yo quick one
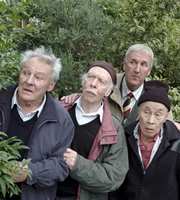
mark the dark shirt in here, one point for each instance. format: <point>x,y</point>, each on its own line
<point>22,130</point>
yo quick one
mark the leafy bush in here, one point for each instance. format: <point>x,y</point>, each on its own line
<point>81,32</point>
<point>12,12</point>
<point>157,23</point>
<point>174,96</point>
<point>9,153</point>
<point>77,31</point>
<point>154,22</point>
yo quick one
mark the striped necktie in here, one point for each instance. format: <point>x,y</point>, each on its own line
<point>127,107</point>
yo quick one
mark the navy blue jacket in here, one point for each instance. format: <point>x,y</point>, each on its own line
<point>162,178</point>
<point>51,135</point>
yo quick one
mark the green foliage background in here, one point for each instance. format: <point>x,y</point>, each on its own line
<point>82,31</point>
<point>9,153</point>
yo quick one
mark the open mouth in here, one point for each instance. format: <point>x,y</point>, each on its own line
<point>27,90</point>
<point>149,130</point>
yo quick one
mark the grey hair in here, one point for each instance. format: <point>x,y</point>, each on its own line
<point>144,48</point>
<point>45,56</point>
<point>110,88</point>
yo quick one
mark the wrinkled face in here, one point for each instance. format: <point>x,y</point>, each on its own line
<point>137,68</point>
<point>152,115</point>
<point>96,84</point>
<point>34,81</point>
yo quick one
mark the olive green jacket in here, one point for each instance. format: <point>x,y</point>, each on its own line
<point>107,163</point>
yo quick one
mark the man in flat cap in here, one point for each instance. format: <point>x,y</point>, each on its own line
<point>98,158</point>
<point>137,66</point>
<point>153,148</point>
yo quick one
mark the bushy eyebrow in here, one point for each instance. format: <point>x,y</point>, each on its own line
<point>158,110</point>
<point>134,59</point>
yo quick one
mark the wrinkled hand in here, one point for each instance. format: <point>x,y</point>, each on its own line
<point>70,157</point>
<point>21,176</point>
<point>70,98</point>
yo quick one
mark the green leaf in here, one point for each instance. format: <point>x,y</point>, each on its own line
<point>3,187</point>
<point>25,162</point>
<point>3,63</point>
<point>2,27</point>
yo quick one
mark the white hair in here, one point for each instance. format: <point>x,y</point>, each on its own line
<point>46,56</point>
<point>142,48</point>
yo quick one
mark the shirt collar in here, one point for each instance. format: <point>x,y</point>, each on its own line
<point>126,90</point>
<point>136,132</point>
<point>98,112</point>
<point>15,102</point>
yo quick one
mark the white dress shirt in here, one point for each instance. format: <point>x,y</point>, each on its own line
<point>83,118</point>
<point>20,110</point>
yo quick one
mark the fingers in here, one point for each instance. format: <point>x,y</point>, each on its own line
<point>20,176</point>
<point>62,98</point>
<point>70,98</point>
<point>68,150</point>
<point>70,157</point>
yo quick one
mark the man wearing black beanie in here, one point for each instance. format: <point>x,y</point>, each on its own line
<point>153,148</point>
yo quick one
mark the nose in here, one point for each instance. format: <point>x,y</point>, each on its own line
<point>151,119</point>
<point>137,68</point>
<point>94,83</point>
<point>30,79</point>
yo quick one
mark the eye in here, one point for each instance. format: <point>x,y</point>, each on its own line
<point>144,64</point>
<point>102,82</point>
<point>132,62</point>
<point>89,76</point>
<point>158,115</point>
<point>39,78</point>
<point>25,73</point>
<point>146,113</point>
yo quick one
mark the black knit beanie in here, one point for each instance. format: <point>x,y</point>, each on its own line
<point>107,66</point>
<point>156,91</point>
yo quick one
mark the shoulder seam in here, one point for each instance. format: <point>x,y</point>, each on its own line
<point>175,146</point>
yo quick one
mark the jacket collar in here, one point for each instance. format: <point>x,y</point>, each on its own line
<point>171,133</point>
<point>116,95</point>
<point>107,129</point>
<point>106,135</point>
<point>50,111</point>
<point>169,128</point>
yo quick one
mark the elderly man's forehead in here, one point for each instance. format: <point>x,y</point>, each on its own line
<point>155,106</point>
<point>98,69</point>
<point>141,54</point>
